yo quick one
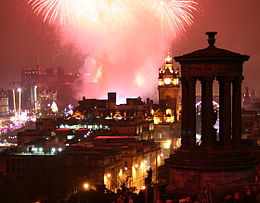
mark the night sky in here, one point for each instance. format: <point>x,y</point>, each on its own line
<point>24,37</point>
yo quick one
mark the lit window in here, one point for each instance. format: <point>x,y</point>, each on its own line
<point>168,112</point>
<point>176,81</point>
<point>160,82</point>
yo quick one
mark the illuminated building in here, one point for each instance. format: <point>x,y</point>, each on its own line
<point>99,160</point>
<point>58,131</point>
<point>136,157</point>
<point>166,113</point>
<point>119,150</point>
<point>4,103</point>
<point>169,93</point>
<point>133,118</point>
<point>34,75</point>
<point>108,109</point>
<point>251,116</point>
<point>37,81</point>
<point>46,99</point>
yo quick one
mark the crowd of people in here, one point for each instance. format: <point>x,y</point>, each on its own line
<point>248,195</point>
<point>245,195</point>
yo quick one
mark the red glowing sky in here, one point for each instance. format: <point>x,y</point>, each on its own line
<point>24,37</point>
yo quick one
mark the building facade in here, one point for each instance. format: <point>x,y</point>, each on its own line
<point>4,104</point>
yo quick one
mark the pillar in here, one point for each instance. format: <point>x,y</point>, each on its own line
<point>225,111</point>
<point>184,114</point>
<point>192,111</point>
<point>207,112</point>
<point>236,110</point>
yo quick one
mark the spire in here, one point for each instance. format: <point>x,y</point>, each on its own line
<point>168,59</point>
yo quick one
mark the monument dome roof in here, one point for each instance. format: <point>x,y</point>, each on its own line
<point>212,53</point>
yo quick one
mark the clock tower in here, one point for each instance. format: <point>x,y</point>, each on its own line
<point>169,88</point>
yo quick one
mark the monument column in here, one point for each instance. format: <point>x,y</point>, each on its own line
<point>184,114</point>
<point>207,119</point>
<point>236,110</point>
<point>225,111</point>
<point>192,111</point>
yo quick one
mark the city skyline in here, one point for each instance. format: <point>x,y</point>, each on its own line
<point>26,39</point>
<point>129,101</point>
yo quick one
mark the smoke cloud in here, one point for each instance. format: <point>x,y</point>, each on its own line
<point>124,59</point>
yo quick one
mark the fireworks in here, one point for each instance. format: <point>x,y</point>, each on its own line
<point>105,12</point>
<point>173,15</point>
<point>124,41</point>
<point>60,11</point>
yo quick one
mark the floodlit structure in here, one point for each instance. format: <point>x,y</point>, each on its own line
<point>169,92</point>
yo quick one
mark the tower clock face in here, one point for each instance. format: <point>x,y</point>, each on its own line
<point>167,81</point>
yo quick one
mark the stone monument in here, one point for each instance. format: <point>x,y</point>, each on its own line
<point>214,162</point>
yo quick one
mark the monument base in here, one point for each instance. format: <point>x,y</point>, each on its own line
<point>193,172</point>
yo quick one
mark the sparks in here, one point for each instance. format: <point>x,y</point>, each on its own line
<point>57,11</point>
<point>174,15</point>
<point>105,12</point>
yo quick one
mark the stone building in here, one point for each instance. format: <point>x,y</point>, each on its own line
<point>99,161</point>
<point>215,162</point>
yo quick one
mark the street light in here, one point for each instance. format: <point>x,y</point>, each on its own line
<point>14,102</point>
<point>19,90</point>
<point>35,98</point>
<point>86,186</point>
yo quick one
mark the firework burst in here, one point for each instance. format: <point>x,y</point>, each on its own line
<point>105,12</point>
<point>173,15</point>
<point>57,11</point>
